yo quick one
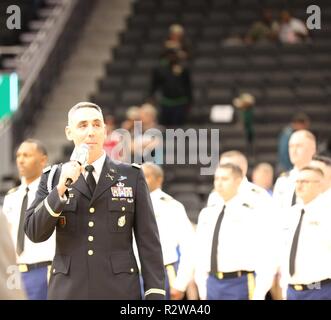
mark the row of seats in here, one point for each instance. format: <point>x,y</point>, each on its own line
<point>284,78</point>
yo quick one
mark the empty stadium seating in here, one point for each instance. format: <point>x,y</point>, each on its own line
<point>283,78</point>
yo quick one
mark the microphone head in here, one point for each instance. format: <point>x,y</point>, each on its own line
<point>80,154</point>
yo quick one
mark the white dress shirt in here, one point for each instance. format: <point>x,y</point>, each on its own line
<point>98,165</point>
<point>247,189</point>
<point>175,229</point>
<point>33,252</point>
<point>245,242</point>
<point>313,256</point>
<point>284,189</point>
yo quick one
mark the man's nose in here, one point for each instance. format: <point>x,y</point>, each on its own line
<point>90,130</point>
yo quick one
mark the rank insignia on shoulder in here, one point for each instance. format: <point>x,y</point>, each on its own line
<point>47,169</point>
<point>256,190</point>
<point>12,190</point>
<point>169,198</point>
<point>247,205</point>
<point>136,165</point>
<point>285,174</point>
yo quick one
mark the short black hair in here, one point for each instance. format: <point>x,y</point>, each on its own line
<point>234,168</point>
<point>40,146</point>
<point>314,169</point>
<point>326,160</point>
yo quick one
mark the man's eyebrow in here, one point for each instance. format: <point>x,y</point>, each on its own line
<point>82,122</point>
<point>86,121</point>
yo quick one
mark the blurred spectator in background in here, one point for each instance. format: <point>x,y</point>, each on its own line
<point>302,147</point>
<point>265,30</point>
<point>245,103</point>
<point>291,30</point>
<point>299,121</point>
<point>173,80</point>
<point>132,115</point>
<point>112,139</point>
<point>263,175</point>
<point>176,40</point>
<point>148,143</point>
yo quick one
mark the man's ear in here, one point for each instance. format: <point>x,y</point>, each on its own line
<point>67,131</point>
<point>160,181</point>
<point>44,160</point>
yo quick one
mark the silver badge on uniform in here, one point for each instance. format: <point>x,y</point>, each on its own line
<point>121,221</point>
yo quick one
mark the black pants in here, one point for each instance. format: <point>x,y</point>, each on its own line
<point>173,116</point>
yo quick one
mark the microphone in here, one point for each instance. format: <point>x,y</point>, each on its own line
<point>80,154</point>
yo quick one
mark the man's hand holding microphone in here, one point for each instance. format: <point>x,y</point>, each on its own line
<point>71,170</point>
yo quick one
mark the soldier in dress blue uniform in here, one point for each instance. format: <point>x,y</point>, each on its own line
<point>234,242</point>
<point>95,219</point>
<point>306,263</point>
<point>246,187</point>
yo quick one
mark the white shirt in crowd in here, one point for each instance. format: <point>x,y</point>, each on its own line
<point>246,242</point>
<point>33,252</point>
<point>176,231</point>
<point>313,256</point>
<point>284,189</point>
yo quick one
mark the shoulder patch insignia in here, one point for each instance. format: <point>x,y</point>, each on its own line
<point>47,169</point>
<point>136,165</point>
<point>12,190</point>
<point>285,174</point>
<point>168,198</point>
<point>256,190</point>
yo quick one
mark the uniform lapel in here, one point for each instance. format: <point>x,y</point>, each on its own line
<point>108,177</point>
<point>82,186</point>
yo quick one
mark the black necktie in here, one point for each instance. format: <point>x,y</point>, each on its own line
<point>20,233</point>
<point>295,245</point>
<point>294,199</point>
<point>90,179</point>
<point>213,257</point>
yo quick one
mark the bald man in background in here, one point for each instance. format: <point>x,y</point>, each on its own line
<point>302,147</point>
